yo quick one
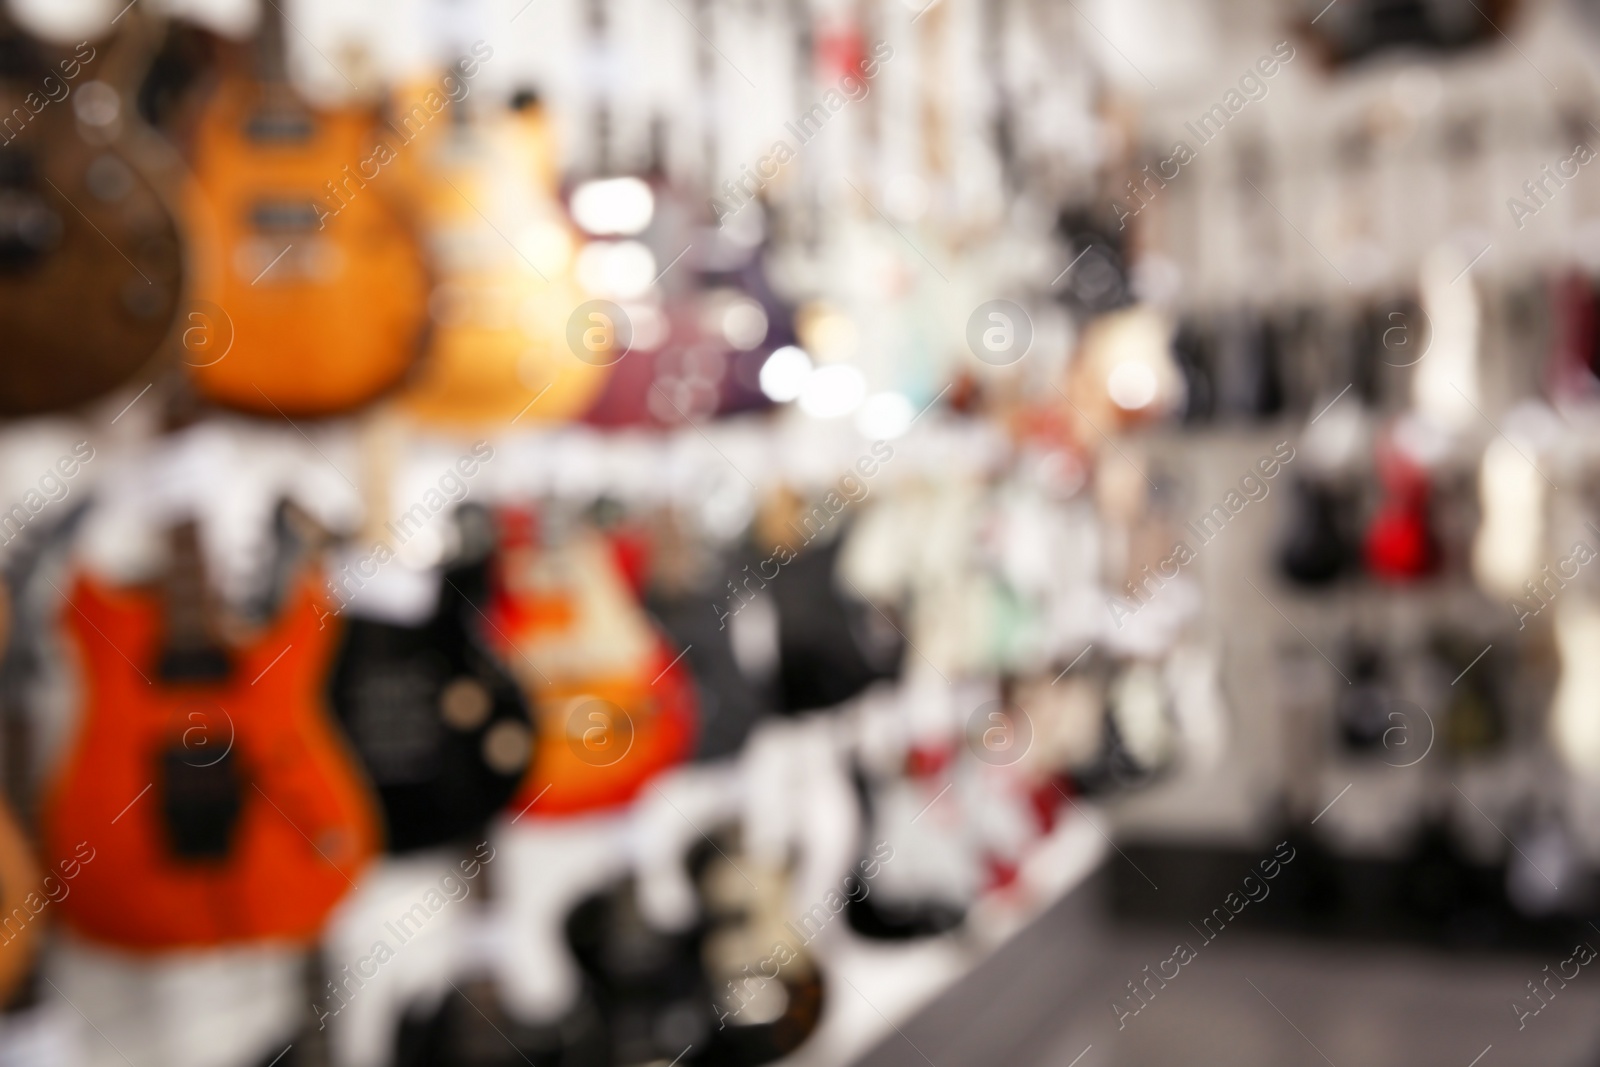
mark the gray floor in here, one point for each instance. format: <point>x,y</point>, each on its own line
<point>1245,1000</point>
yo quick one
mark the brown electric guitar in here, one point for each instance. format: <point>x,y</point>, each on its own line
<point>206,772</point>
<point>299,240</point>
<point>90,264</point>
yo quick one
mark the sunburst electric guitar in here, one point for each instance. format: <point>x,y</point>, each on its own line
<point>484,179</point>
<point>618,704</point>
<point>301,252</point>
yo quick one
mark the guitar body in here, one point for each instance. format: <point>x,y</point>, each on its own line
<point>442,730</point>
<point>590,757</point>
<point>1316,550</point>
<point>765,1018</point>
<point>650,984</point>
<point>1400,544</point>
<point>208,828</point>
<point>91,268</point>
<point>500,334</point>
<point>1573,724</point>
<point>22,896</point>
<point>617,702</point>
<point>336,321</point>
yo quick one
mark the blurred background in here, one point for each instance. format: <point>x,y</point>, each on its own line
<point>810,532</point>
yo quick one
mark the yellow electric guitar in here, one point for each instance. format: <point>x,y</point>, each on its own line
<point>483,177</point>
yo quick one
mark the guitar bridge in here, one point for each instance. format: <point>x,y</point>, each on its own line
<point>200,803</point>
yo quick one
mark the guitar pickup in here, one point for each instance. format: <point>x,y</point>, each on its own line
<point>284,216</point>
<point>278,128</point>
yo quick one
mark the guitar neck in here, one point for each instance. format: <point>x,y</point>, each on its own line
<point>271,47</point>
<point>15,731</point>
<point>192,649</point>
<point>595,11</point>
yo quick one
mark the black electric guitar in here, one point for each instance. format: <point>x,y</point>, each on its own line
<point>652,993</point>
<point>1362,709</point>
<point>440,726</point>
<point>736,988</point>
<point>832,644</point>
<point>1320,543</point>
<point>90,262</point>
<point>1317,547</point>
<point>474,1023</point>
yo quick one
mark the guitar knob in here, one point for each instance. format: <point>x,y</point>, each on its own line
<point>109,178</point>
<point>96,104</point>
<point>506,747</point>
<point>28,229</point>
<point>465,704</point>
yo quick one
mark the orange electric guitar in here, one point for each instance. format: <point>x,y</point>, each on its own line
<point>298,242</point>
<point>484,179</point>
<point>22,894</point>
<point>206,773</point>
<point>617,702</point>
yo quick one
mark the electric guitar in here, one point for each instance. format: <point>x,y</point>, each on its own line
<point>1573,728</point>
<point>84,221</point>
<point>476,1022</point>
<point>22,893</point>
<point>296,237</point>
<point>1316,549</point>
<point>1400,544</point>
<point>206,774</point>
<point>617,704</point>
<point>1361,710</point>
<point>766,1017</point>
<point>440,726</point>
<point>721,315</point>
<point>484,177</point>
<point>831,644</point>
<point>1322,539</point>
<point>717,992</point>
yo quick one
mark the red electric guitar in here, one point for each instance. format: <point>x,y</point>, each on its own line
<point>206,773</point>
<point>1400,543</point>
